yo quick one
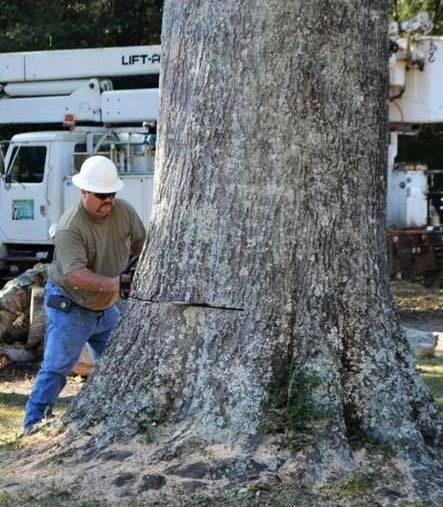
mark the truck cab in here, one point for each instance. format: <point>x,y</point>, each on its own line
<point>36,187</point>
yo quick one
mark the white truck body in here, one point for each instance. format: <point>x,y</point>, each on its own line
<point>416,77</point>
<point>408,204</point>
<point>29,207</point>
<point>418,85</point>
<point>415,190</point>
<point>72,92</point>
<point>86,104</point>
<point>45,86</point>
<point>78,63</point>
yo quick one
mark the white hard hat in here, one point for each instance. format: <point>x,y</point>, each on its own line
<point>98,174</point>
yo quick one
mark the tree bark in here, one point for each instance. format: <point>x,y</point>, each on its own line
<point>263,287</point>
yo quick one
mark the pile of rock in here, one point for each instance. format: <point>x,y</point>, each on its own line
<point>19,340</point>
<point>421,343</point>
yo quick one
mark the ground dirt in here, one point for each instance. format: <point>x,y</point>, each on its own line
<point>40,471</point>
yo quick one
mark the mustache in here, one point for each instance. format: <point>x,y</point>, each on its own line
<point>105,204</point>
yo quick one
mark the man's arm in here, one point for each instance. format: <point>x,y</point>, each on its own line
<point>84,278</point>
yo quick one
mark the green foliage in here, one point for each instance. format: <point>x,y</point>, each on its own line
<point>303,411</point>
<point>148,428</point>
<point>51,497</point>
<point>92,502</point>
<point>401,10</point>
<point>27,25</point>
<point>293,409</point>
<point>242,497</point>
<point>353,487</point>
<point>7,500</point>
<point>301,408</point>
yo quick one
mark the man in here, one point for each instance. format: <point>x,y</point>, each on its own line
<point>93,242</point>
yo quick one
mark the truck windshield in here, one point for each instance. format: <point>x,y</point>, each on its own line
<point>28,164</point>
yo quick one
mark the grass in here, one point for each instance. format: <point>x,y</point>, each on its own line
<point>413,297</point>
<point>432,372</point>
<point>11,416</point>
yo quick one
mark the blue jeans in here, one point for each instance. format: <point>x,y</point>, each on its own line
<point>66,334</point>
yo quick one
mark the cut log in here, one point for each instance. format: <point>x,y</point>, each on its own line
<point>37,319</point>
<point>17,354</point>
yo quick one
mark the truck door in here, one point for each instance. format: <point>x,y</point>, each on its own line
<point>23,194</point>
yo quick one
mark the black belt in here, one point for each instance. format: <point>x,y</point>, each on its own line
<point>65,304</point>
<point>75,305</point>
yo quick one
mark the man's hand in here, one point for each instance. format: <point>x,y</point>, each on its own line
<point>125,285</point>
<point>126,277</point>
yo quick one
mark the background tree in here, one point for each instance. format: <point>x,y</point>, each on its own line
<point>27,25</point>
<point>262,302</point>
<point>406,9</point>
<point>131,24</point>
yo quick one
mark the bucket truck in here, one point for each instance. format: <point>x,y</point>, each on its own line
<point>414,190</point>
<point>88,103</point>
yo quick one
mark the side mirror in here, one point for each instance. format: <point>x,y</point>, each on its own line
<point>2,160</point>
<point>3,168</point>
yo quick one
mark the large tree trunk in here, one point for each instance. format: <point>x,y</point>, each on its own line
<point>263,291</point>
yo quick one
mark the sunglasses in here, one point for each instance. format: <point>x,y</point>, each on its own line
<point>102,197</point>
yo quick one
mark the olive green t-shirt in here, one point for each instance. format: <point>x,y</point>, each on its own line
<point>102,247</point>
